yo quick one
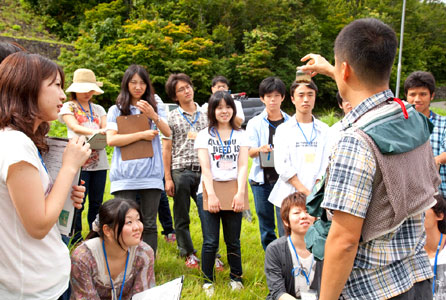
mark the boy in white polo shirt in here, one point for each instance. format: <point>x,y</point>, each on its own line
<point>299,146</point>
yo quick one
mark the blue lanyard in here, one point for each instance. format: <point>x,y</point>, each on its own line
<point>90,117</point>
<point>270,124</point>
<point>300,269</point>
<point>223,148</point>
<point>41,160</point>
<point>195,121</point>
<point>109,274</point>
<point>431,116</point>
<point>435,264</point>
<point>311,136</point>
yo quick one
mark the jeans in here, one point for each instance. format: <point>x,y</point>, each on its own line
<point>149,200</point>
<point>94,189</point>
<point>164,215</point>
<point>232,225</point>
<point>186,186</point>
<point>265,212</point>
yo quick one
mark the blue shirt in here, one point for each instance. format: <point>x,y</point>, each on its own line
<point>258,134</point>
<point>135,174</point>
<point>438,143</point>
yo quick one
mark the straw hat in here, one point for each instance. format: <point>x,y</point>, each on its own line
<point>84,81</point>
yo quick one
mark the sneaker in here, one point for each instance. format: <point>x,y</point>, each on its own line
<point>208,289</point>
<point>192,262</point>
<point>236,285</point>
<point>219,265</point>
<point>170,238</point>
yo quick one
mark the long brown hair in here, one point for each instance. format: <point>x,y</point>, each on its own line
<point>21,77</point>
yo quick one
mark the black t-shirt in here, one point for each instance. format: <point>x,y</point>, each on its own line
<point>270,174</point>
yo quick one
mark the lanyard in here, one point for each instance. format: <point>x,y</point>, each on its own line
<point>223,149</point>
<point>311,135</point>
<point>300,269</point>
<point>41,160</point>
<point>90,117</point>
<point>270,124</point>
<point>196,117</point>
<point>109,274</point>
<point>435,264</point>
<point>431,116</point>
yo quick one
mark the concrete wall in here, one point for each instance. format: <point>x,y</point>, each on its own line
<point>440,92</point>
<point>50,50</point>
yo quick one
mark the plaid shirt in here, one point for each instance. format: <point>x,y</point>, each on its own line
<point>183,152</point>
<point>438,143</point>
<point>389,265</point>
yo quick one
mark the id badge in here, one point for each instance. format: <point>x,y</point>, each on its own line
<point>308,295</point>
<point>310,157</point>
<point>191,135</point>
<point>226,164</point>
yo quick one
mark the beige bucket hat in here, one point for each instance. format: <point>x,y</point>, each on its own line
<point>84,81</point>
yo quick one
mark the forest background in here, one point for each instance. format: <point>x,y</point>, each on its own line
<point>244,40</point>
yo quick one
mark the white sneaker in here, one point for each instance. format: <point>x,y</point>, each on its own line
<point>236,285</point>
<point>208,289</point>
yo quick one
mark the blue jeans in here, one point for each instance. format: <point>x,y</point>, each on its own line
<point>94,189</point>
<point>164,215</point>
<point>232,225</point>
<point>265,212</point>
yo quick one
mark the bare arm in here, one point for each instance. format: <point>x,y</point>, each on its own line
<point>206,174</point>
<point>167,161</point>
<point>340,252</point>
<point>37,213</point>
<point>74,125</point>
<point>254,152</point>
<point>239,198</point>
<point>149,112</point>
<point>294,181</point>
<point>119,140</point>
<point>440,159</point>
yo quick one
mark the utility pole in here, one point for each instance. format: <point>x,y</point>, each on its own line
<point>398,76</point>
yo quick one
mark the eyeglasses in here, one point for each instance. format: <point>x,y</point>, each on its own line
<point>184,88</point>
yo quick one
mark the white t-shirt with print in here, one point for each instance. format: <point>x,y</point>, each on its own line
<point>30,268</point>
<point>223,160</point>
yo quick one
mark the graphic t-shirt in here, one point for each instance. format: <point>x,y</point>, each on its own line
<point>98,158</point>
<point>223,160</point>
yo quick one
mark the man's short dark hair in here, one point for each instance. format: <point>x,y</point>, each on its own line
<point>295,84</point>
<point>271,84</point>
<point>420,79</point>
<point>369,47</point>
<point>218,79</point>
<point>339,98</point>
<point>171,84</point>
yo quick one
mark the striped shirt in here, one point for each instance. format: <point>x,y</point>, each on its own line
<point>438,143</point>
<point>390,264</point>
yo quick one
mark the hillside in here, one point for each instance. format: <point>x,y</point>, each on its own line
<point>22,26</point>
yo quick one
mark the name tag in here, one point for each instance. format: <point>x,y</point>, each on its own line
<point>310,157</point>
<point>191,135</point>
<point>308,295</point>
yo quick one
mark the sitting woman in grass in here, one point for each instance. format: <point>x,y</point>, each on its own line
<point>289,267</point>
<point>113,262</point>
<point>223,155</point>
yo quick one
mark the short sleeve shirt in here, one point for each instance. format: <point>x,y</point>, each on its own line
<point>98,158</point>
<point>224,160</point>
<point>438,143</point>
<point>181,123</point>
